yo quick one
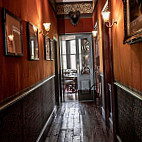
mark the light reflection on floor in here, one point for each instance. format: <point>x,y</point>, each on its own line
<point>71,96</point>
<point>79,122</point>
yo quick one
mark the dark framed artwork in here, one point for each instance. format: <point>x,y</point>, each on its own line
<point>132,21</point>
<point>33,47</point>
<point>52,49</point>
<point>12,29</point>
<point>47,50</point>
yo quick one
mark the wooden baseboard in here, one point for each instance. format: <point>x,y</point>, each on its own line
<point>45,129</point>
<point>103,113</point>
<point>118,138</point>
<point>111,124</point>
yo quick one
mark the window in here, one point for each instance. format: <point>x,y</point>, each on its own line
<point>72,47</point>
<point>73,61</point>
<point>64,61</point>
<point>64,47</point>
<point>68,52</point>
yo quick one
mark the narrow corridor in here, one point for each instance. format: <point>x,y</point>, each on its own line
<point>78,122</point>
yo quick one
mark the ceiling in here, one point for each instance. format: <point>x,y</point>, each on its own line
<point>63,7</point>
<point>83,7</point>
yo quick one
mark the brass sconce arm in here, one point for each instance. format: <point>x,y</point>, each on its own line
<point>42,32</point>
<point>110,25</point>
<point>106,18</point>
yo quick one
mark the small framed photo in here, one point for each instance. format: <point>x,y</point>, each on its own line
<point>12,29</point>
<point>47,50</point>
<point>52,49</point>
<point>33,47</point>
<point>132,21</point>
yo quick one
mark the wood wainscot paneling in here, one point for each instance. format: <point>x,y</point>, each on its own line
<point>129,112</point>
<point>11,123</point>
<point>23,119</point>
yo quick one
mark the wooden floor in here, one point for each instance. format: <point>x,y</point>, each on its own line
<point>78,122</point>
<point>70,97</point>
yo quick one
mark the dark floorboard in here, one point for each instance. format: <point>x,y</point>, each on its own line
<point>78,122</point>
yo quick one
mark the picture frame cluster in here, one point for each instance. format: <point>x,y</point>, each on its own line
<point>13,43</point>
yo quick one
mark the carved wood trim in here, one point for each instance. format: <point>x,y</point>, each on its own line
<point>128,90</point>
<point>64,9</point>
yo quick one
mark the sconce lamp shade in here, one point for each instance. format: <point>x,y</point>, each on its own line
<point>47,26</point>
<point>35,28</point>
<point>106,16</point>
<point>11,37</point>
<point>94,33</point>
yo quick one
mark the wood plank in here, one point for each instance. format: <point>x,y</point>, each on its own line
<point>79,122</point>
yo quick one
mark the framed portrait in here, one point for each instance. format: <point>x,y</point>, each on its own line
<point>33,47</point>
<point>132,21</point>
<point>52,49</point>
<point>47,50</point>
<point>12,30</point>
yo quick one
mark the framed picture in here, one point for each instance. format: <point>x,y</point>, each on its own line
<point>52,49</point>
<point>132,21</point>
<point>12,29</point>
<point>47,50</point>
<point>33,47</point>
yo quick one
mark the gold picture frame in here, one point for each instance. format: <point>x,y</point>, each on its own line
<point>12,30</point>
<point>33,46</point>
<point>132,21</point>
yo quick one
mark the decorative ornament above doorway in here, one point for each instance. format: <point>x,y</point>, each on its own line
<point>74,17</point>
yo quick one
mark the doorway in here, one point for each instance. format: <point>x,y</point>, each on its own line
<point>68,68</point>
<point>77,70</point>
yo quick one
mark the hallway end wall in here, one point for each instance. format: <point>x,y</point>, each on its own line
<point>18,73</point>
<point>65,27</point>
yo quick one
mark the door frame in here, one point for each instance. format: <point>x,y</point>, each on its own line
<point>69,34</point>
<point>57,71</point>
<point>107,50</point>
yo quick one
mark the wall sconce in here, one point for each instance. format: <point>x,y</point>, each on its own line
<point>11,37</point>
<point>94,33</point>
<point>35,29</point>
<point>106,17</point>
<point>47,28</point>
